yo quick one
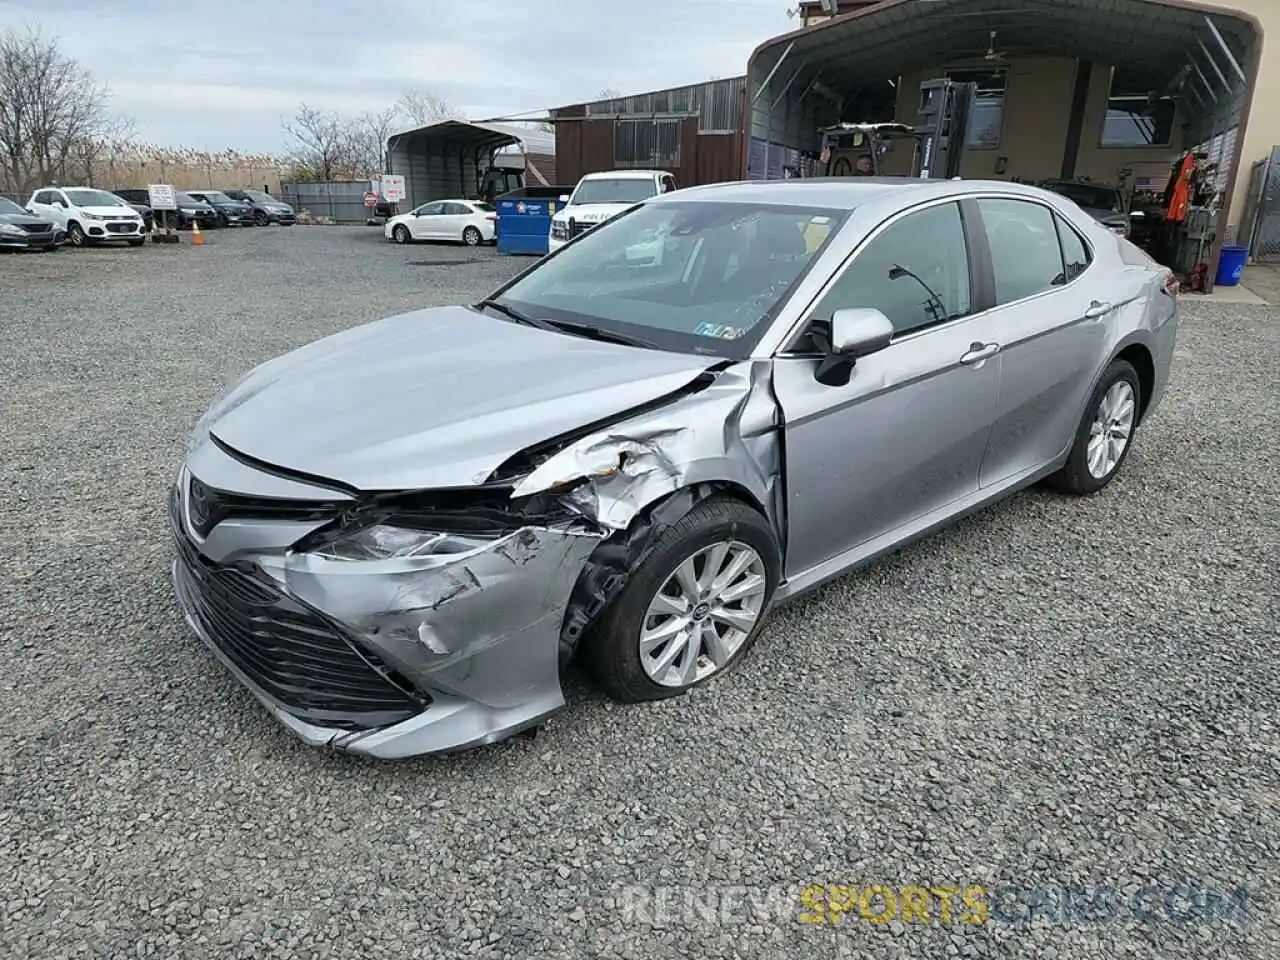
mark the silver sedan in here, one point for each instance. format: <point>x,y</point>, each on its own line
<point>398,536</point>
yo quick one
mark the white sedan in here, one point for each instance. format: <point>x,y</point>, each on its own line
<point>465,221</point>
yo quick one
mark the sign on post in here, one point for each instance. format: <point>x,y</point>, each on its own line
<point>160,196</point>
<point>393,188</point>
<point>370,199</point>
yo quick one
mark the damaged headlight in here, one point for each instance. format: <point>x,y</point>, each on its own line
<point>385,542</point>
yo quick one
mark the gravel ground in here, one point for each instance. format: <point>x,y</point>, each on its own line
<point>1058,692</point>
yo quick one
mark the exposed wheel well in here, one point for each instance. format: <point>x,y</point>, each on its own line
<point>1139,357</point>
<point>607,570</point>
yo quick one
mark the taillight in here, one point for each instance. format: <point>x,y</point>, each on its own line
<point>491,218</point>
<point>1172,284</point>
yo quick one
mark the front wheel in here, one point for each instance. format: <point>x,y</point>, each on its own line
<point>692,609</point>
<point>75,233</point>
<point>1105,433</point>
<point>401,234</point>
<point>260,218</point>
<point>471,237</point>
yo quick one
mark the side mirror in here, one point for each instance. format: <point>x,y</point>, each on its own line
<point>564,198</point>
<point>851,333</point>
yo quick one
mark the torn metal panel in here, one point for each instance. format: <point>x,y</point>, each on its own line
<point>725,433</point>
<point>481,624</point>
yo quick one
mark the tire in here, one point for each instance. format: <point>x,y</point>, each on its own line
<point>76,235</point>
<point>612,646</point>
<point>471,237</point>
<point>401,234</point>
<point>1077,477</point>
<point>137,243</point>
<point>261,219</point>
<point>223,222</point>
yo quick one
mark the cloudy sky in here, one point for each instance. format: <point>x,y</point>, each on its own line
<point>213,75</point>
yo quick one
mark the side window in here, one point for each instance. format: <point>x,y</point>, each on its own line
<point>458,210</point>
<point>668,183</point>
<point>45,196</point>
<point>916,272</point>
<point>1074,250</point>
<point>1025,254</point>
<point>432,209</point>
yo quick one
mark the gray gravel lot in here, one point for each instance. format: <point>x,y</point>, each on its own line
<point>1056,692</point>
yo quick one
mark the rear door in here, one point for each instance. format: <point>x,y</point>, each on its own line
<point>457,217</point>
<point>1051,329</point>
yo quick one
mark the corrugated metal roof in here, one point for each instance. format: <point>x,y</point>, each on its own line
<point>485,134</point>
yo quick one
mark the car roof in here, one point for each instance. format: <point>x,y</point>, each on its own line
<point>844,193</point>
<point>624,174</point>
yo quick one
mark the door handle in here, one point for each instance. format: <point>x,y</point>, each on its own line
<point>1097,310</point>
<point>979,352</point>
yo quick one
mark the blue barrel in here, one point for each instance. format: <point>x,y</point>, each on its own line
<point>1231,266</point>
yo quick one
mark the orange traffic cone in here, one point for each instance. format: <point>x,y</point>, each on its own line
<point>197,238</point>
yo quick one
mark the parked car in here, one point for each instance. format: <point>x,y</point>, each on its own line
<point>140,200</point>
<point>19,230</point>
<point>633,462</point>
<point>1105,204</point>
<point>266,208</point>
<point>192,210</point>
<point>89,215</point>
<point>599,196</point>
<point>472,222</point>
<point>230,213</point>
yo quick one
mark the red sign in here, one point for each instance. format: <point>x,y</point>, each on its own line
<point>370,200</point>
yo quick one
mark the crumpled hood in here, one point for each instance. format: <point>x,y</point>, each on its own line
<point>434,398</point>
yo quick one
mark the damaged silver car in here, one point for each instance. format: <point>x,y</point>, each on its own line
<point>398,536</point>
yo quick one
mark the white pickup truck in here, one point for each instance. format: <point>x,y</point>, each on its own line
<point>600,196</point>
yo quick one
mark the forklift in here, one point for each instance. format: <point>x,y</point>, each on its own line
<point>937,139</point>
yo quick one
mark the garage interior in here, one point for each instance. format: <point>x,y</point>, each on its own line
<point>1112,91</point>
<point>455,158</point>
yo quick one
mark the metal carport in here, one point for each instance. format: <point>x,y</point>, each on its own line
<point>1207,56</point>
<point>445,159</point>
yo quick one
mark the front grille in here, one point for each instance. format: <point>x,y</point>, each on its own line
<point>37,227</point>
<point>127,226</point>
<point>288,650</point>
<point>210,507</point>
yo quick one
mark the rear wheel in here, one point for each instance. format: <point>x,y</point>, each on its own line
<point>401,234</point>
<point>471,237</point>
<point>1105,433</point>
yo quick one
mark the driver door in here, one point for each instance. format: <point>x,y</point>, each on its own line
<point>904,438</point>
<point>425,224</point>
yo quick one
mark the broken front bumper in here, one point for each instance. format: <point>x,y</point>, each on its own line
<point>385,658</point>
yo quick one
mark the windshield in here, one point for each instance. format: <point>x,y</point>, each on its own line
<point>261,197</point>
<point>9,207</point>
<point>694,277</point>
<point>94,198</point>
<point>186,198</point>
<point>620,190</point>
<point>216,196</point>
<point>1084,195</point>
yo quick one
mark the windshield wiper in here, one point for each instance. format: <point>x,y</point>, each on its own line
<point>513,314</point>
<point>595,333</point>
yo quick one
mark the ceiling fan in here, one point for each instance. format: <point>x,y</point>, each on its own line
<point>992,55</point>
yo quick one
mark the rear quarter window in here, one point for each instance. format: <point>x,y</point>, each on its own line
<point>1133,255</point>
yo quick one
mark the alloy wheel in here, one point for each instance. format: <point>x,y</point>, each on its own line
<point>400,233</point>
<point>1111,429</point>
<point>702,614</point>
<point>471,237</point>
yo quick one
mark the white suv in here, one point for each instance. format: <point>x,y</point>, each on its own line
<point>89,215</point>
<point>600,196</point>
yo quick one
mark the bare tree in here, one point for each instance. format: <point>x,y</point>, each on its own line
<point>424,108</point>
<point>323,143</point>
<point>49,109</point>
<point>367,140</point>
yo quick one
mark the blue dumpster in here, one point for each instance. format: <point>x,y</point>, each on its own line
<point>1231,266</point>
<point>524,219</point>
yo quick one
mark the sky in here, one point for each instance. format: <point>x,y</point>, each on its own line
<point>224,75</point>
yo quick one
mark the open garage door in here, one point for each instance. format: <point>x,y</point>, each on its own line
<point>1106,90</point>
